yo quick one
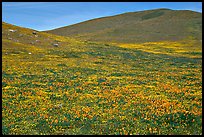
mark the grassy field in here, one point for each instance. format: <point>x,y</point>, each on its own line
<point>99,89</point>
<point>96,88</point>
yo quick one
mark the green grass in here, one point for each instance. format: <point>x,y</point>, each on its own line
<point>96,88</point>
<point>152,15</point>
<point>138,27</point>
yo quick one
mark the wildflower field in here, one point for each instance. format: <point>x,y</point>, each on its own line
<point>96,88</point>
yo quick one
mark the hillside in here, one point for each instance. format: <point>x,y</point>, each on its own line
<point>78,87</point>
<point>138,27</point>
<point>32,37</point>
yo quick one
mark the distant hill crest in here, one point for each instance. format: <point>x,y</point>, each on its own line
<point>136,27</point>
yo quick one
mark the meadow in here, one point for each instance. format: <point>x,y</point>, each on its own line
<point>95,88</point>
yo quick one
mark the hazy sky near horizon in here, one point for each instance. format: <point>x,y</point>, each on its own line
<point>49,15</point>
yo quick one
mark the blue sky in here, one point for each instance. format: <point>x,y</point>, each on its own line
<point>50,15</point>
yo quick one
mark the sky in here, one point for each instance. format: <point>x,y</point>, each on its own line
<point>50,15</point>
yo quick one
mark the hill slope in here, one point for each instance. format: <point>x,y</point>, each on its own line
<point>93,88</point>
<point>32,37</point>
<point>136,27</point>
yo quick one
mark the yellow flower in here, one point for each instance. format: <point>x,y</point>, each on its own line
<point>43,109</point>
<point>65,119</point>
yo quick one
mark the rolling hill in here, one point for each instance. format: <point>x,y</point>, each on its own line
<point>57,85</point>
<point>138,27</point>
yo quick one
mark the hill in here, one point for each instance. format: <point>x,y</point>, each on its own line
<point>32,37</point>
<point>137,27</point>
<point>79,87</point>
